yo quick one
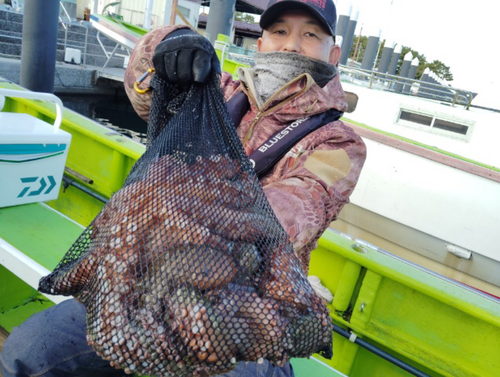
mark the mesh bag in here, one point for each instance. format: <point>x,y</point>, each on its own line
<point>186,270</point>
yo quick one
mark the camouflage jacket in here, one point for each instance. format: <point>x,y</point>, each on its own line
<point>309,186</point>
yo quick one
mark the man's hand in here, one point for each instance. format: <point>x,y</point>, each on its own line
<point>184,56</point>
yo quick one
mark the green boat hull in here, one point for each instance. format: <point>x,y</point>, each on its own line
<point>429,322</point>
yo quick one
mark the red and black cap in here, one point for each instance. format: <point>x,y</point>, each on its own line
<point>324,10</point>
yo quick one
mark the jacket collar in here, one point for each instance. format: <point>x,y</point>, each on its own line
<point>301,96</point>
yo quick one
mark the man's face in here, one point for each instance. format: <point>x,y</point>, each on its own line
<point>299,32</point>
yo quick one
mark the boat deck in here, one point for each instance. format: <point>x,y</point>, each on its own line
<point>302,367</point>
<point>26,228</point>
<point>3,337</point>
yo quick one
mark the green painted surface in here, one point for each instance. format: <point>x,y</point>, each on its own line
<point>98,153</point>
<point>434,285</point>
<point>18,301</point>
<point>8,285</point>
<point>313,368</point>
<point>228,65</point>
<point>369,364</point>
<point>40,232</point>
<point>132,29</point>
<point>348,280</point>
<point>431,322</point>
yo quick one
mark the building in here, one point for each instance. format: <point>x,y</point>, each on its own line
<point>244,34</point>
<point>133,11</point>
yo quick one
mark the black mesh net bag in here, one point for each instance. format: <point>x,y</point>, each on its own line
<point>186,270</point>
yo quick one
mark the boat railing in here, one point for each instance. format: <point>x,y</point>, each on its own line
<point>403,85</point>
<point>66,25</point>
<point>66,44</point>
<point>65,12</point>
<point>384,81</point>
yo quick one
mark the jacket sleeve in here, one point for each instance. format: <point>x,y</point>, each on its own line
<point>228,85</point>
<point>140,61</point>
<point>314,182</point>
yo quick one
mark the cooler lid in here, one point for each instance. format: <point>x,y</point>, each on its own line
<point>25,128</point>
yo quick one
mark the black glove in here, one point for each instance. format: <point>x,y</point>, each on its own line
<point>184,56</point>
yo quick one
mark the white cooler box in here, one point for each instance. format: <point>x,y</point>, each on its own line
<point>32,154</point>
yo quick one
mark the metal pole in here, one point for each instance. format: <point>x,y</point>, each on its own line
<point>86,44</point>
<point>394,60</point>
<point>377,351</point>
<point>173,12</point>
<point>385,59</point>
<point>39,45</point>
<point>342,25</point>
<point>423,79</point>
<point>344,11</point>
<point>69,182</point>
<point>405,67</point>
<point>220,18</point>
<point>347,41</point>
<point>148,11</point>
<point>370,55</point>
<point>377,54</point>
<point>411,74</point>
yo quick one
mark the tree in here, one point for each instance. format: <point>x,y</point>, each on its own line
<point>438,67</point>
<point>404,51</point>
<point>421,66</point>
<point>245,17</point>
<point>441,69</point>
<point>360,52</point>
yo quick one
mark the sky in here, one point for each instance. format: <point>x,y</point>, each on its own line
<point>464,35</point>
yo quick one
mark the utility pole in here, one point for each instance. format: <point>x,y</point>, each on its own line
<point>376,55</point>
<point>356,48</point>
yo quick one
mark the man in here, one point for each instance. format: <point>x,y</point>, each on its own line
<point>294,77</point>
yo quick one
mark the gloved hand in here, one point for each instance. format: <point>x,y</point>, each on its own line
<point>185,56</point>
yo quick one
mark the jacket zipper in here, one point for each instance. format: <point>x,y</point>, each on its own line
<point>250,130</point>
<point>248,135</point>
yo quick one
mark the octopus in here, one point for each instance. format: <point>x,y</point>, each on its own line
<point>186,271</point>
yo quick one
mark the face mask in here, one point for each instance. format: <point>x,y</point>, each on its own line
<point>273,70</point>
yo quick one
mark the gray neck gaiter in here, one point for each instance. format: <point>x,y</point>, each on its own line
<point>272,70</point>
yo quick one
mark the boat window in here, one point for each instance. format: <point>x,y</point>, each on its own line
<point>450,126</point>
<point>184,11</point>
<point>415,118</point>
<point>435,122</point>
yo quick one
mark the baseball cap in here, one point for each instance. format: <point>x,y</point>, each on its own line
<point>324,10</point>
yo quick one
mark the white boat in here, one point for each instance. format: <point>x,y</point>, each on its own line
<point>430,189</point>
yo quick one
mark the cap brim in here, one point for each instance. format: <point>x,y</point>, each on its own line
<point>276,9</point>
